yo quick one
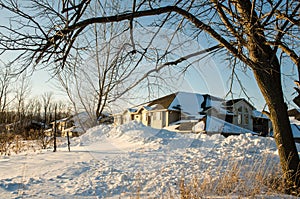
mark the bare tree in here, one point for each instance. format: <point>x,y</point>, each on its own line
<point>111,69</point>
<point>256,34</point>
<point>46,103</point>
<point>47,100</point>
<point>55,128</point>
<point>6,80</point>
<point>95,82</point>
<point>23,89</point>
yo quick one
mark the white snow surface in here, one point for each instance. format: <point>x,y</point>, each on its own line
<point>119,162</point>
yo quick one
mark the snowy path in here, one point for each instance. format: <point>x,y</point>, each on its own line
<point>59,173</point>
<point>126,161</point>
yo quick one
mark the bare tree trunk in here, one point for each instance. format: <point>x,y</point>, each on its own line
<point>55,129</point>
<point>68,140</point>
<point>267,71</point>
<point>269,83</point>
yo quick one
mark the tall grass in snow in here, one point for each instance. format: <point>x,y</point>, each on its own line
<point>236,181</point>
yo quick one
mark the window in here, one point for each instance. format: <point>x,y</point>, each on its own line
<point>240,115</point>
<point>246,116</point>
<point>157,116</point>
<point>243,116</point>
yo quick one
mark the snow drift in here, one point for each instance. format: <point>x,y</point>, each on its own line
<point>113,162</point>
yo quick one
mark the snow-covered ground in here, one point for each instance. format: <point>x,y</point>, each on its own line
<point>130,160</point>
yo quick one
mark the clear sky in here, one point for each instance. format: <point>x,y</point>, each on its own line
<point>42,81</point>
<point>209,76</point>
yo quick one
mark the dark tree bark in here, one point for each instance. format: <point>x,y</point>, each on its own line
<point>55,129</point>
<point>267,72</point>
<point>68,141</point>
<point>269,82</point>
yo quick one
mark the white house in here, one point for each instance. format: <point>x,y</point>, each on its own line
<point>186,109</point>
<point>75,125</point>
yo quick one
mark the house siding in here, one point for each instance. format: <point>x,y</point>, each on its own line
<point>145,117</point>
<point>243,115</point>
<point>173,116</point>
<point>157,121</point>
<point>181,107</point>
<point>261,125</point>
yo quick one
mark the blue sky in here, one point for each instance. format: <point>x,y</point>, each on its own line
<point>208,76</point>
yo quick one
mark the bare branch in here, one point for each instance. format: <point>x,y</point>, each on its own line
<point>172,63</point>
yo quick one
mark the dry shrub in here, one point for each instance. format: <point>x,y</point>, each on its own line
<point>5,141</point>
<point>237,180</point>
<point>18,144</point>
<point>192,189</point>
<point>10,143</point>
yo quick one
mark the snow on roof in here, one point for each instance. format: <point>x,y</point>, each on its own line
<point>212,101</point>
<point>234,101</point>
<point>74,129</point>
<point>258,114</point>
<point>295,130</point>
<point>222,110</point>
<point>216,125</point>
<point>191,104</point>
<point>148,108</point>
<point>131,110</point>
<point>216,103</point>
<point>62,120</point>
<point>84,120</point>
<point>188,103</point>
<point>156,107</point>
<point>294,121</point>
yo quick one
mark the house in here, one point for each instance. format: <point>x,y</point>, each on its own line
<point>294,113</point>
<point>105,118</point>
<point>165,111</point>
<point>261,123</point>
<point>183,110</point>
<point>73,131</point>
<point>61,125</point>
<point>242,112</point>
<point>246,116</point>
<point>212,125</point>
<point>75,125</point>
<point>294,117</point>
